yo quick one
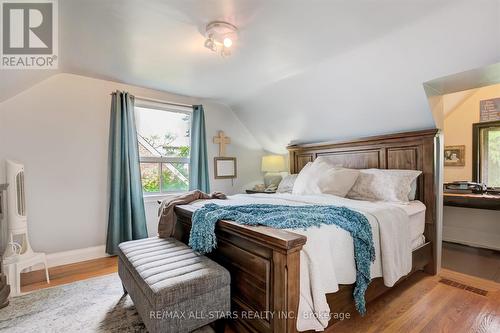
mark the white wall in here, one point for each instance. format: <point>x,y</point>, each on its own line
<point>473,227</point>
<point>59,130</point>
<point>376,86</point>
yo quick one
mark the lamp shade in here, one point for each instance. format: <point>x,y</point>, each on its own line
<point>273,163</point>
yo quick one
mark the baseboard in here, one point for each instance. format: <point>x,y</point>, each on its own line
<point>74,256</point>
<point>471,238</point>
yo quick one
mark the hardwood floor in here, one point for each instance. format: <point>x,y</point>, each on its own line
<point>420,304</point>
<point>68,273</point>
<point>483,263</point>
<point>423,304</point>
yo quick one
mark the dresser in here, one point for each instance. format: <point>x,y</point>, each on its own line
<point>472,219</point>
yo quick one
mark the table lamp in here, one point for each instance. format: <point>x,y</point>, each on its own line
<point>272,165</point>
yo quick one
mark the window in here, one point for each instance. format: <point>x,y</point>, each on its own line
<point>163,137</point>
<point>486,152</point>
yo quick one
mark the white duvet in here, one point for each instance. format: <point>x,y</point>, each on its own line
<point>327,258</point>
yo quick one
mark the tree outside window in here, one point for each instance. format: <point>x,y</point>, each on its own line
<point>163,138</point>
<point>486,153</point>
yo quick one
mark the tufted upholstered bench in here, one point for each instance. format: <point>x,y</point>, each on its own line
<point>174,288</point>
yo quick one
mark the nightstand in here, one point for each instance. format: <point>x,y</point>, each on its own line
<point>254,192</point>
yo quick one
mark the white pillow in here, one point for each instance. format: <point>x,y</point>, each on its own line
<point>302,178</point>
<point>413,191</point>
<point>286,184</point>
<point>321,177</point>
<point>384,185</point>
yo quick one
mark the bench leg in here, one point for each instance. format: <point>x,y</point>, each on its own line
<point>125,292</point>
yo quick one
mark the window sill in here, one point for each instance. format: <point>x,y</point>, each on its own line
<point>160,196</point>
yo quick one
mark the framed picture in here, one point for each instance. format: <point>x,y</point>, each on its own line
<point>225,167</point>
<point>489,109</point>
<point>454,155</point>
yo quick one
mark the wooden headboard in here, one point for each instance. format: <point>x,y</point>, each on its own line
<point>409,150</point>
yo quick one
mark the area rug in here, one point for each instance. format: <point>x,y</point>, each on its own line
<point>93,305</point>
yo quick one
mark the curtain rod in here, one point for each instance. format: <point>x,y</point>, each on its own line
<point>160,101</point>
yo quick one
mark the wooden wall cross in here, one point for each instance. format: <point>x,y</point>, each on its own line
<point>222,140</point>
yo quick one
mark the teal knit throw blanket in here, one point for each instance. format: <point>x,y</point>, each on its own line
<point>202,237</point>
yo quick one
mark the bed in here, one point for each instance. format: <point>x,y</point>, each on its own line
<point>265,263</point>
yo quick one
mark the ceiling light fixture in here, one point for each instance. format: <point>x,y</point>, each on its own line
<point>220,37</point>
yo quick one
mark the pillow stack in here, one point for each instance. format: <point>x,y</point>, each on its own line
<point>321,177</point>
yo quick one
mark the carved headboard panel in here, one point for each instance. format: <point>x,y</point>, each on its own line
<point>410,150</point>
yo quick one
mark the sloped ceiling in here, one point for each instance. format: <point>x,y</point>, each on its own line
<point>301,70</point>
<point>12,82</point>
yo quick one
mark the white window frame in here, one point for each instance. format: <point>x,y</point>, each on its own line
<point>163,106</point>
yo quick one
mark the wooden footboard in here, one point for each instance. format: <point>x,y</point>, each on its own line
<point>264,265</point>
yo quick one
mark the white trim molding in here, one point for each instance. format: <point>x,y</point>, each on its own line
<point>470,237</point>
<point>74,256</point>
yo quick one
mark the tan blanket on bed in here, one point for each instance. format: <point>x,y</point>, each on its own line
<point>167,218</point>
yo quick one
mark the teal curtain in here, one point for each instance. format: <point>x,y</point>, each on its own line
<point>127,219</point>
<point>198,160</point>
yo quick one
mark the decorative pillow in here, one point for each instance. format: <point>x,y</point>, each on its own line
<point>322,178</point>
<point>286,184</point>
<point>384,185</point>
<point>413,191</point>
<point>302,177</point>
<point>326,159</point>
